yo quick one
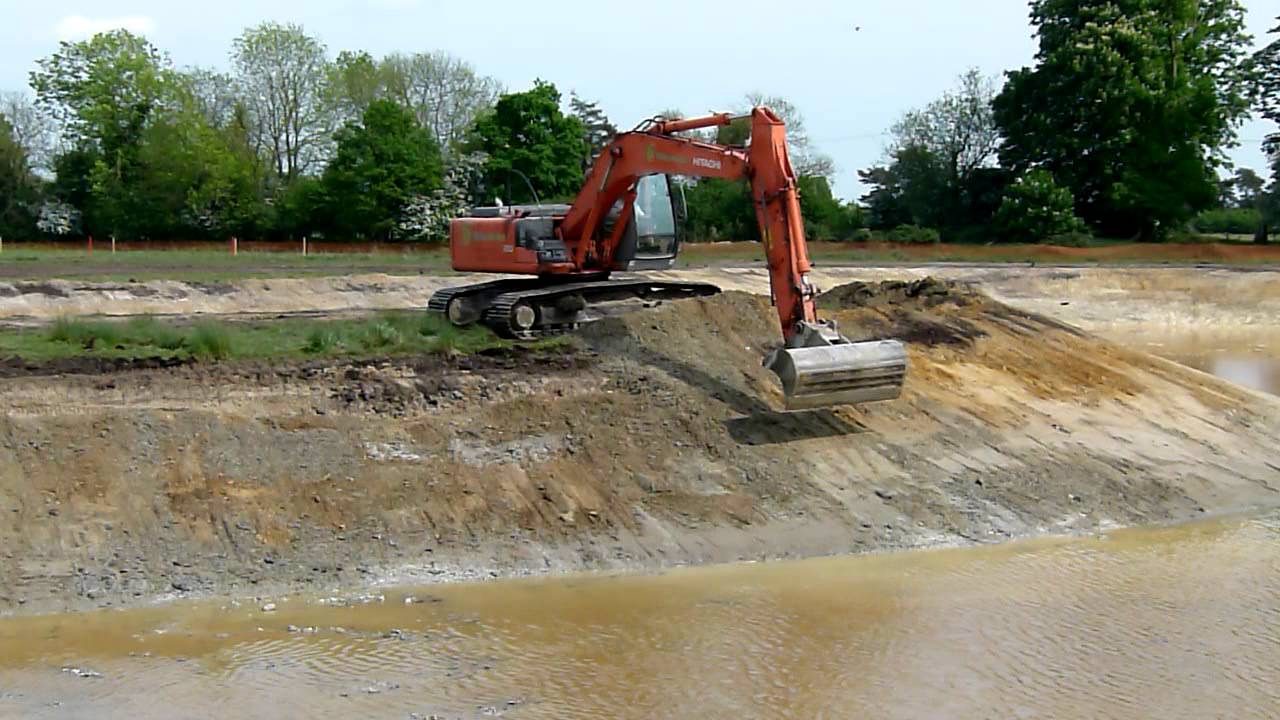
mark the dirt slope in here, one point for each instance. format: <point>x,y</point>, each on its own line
<point>657,443</point>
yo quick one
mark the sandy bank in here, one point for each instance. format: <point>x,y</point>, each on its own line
<point>656,443</point>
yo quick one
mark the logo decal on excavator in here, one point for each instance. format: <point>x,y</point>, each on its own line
<point>469,236</point>
<point>652,153</point>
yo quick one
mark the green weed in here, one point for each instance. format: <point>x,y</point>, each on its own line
<point>211,341</point>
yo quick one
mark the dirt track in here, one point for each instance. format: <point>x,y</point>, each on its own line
<point>1119,300</point>
<point>657,443</point>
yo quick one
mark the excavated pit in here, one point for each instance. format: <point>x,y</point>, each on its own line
<point>657,441</point>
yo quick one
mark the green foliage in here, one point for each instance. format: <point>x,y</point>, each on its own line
<point>84,333</point>
<point>1129,106</point>
<point>211,341</point>
<point>526,132</point>
<point>19,188</point>
<point>1266,68</point>
<point>825,217</point>
<point>381,336</point>
<point>911,190</point>
<point>1036,208</point>
<point>147,331</point>
<point>914,235</point>
<point>1235,221</point>
<point>388,333</point>
<point>355,80</point>
<point>106,91</point>
<point>380,165</point>
<point>939,173</point>
<point>720,210</point>
<point>320,340</point>
<point>596,128</point>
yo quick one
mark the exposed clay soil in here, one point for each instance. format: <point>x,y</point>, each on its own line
<point>657,442</point>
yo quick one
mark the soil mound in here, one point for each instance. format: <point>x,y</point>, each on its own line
<point>913,294</point>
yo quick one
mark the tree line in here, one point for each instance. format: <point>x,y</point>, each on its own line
<point>1119,129</point>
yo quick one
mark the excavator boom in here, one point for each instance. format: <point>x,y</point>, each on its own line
<point>574,252</point>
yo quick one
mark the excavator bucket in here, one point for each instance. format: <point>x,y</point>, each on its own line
<point>840,374</point>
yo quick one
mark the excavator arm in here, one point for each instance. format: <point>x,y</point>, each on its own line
<point>765,164</point>
<point>817,365</point>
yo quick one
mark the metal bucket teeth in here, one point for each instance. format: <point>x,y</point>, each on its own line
<point>845,374</point>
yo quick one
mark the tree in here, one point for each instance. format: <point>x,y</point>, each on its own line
<point>526,134</point>
<point>380,165</point>
<point>105,91</point>
<point>1246,189</point>
<point>597,130</point>
<point>282,73</point>
<point>355,81</point>
<point>19,189</point>
<point>958,128</point>
<point>426,218</point>
<point>213,94</point>
<point>32,129</point>
<point>1266,67</point>
<point>1129,106</point>
<point>939,173</point>
<point>444,92</point>
<point>196,179</point>
<point>825,217</point>
<point>1035,209</point>
<point>910,190</point>
<point>721,210</point>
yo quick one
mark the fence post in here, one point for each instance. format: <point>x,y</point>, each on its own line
<point>113,244</point>
<point>235,245</point>
<point>90,244</point>
<point>304,245</point>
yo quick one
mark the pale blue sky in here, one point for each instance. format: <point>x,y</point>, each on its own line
<point>634,58</point>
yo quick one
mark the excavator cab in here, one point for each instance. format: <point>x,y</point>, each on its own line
<point>652,240</point>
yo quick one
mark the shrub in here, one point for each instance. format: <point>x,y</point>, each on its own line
<point>382,335</point>
<point>914,234</point>
<point>86,333</point>
<point>1235,221</point>
<point>211,341</point>
<point>1036,208</point>
<point>320,340</point>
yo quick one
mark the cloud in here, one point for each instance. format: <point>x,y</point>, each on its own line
<point>79,27</point>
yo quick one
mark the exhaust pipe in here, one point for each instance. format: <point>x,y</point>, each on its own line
<point>826,369</point>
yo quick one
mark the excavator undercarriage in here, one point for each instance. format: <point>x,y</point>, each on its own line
<point>527,309</point>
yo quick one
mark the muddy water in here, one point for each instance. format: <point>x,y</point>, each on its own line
<point>1172,623</point>
<point>1250,359</point>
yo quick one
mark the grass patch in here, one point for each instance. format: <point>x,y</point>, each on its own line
<point>320,341</point>
<point>146,330</point>
<point>210,265</point>
<point>392,333</point>
<point>211,341</point>
<point>87,334</point>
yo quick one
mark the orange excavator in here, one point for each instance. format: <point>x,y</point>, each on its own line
<point>625,219</point>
